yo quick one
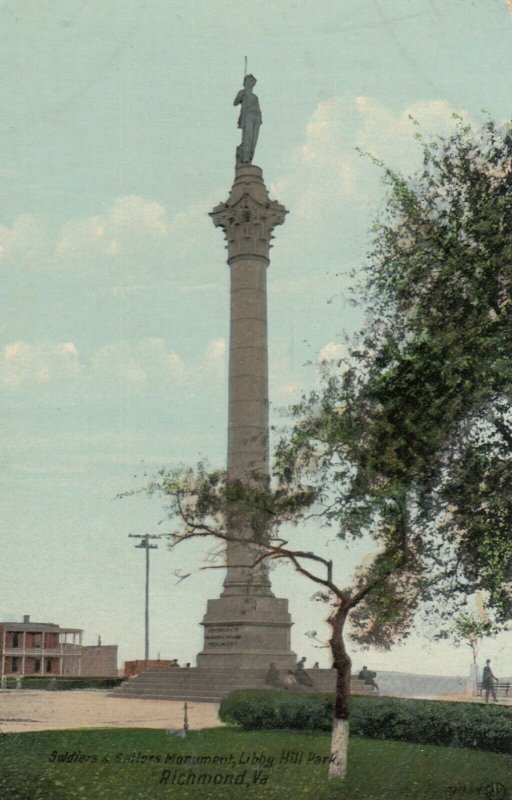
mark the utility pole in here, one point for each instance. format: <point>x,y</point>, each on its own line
<point>145,545</point>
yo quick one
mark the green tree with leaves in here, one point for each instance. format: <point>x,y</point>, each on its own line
<point>406,447</point>
<point>470,631</point>
<point>379,597</point>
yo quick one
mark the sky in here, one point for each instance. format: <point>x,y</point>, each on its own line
<point>117,137</point>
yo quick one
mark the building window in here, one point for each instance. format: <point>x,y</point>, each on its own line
<point>37,640</point>
<point>15,640</point>
<point>49,665</point>
<point>14,664</point>
<point>37,665</point>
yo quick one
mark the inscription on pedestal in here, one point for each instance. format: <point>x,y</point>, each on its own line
<point>222,636</point>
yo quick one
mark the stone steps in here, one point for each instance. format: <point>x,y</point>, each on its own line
<point>211,685</point>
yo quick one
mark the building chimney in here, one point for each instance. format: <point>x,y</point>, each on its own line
<point>26,618</point>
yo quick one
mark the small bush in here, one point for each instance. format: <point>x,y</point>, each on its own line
<point>10,683</point>
<point>418,721</point>
<point>64,683</point>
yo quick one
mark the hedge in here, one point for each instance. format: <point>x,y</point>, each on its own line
<point>418,721</point>
<point>64,683</point>
<point>257,709</point>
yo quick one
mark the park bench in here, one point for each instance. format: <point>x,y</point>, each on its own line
<point>504,686</point>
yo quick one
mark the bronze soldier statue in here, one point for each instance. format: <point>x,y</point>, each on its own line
<point>249,121</point>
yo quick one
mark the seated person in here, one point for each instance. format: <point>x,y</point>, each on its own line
<point>368,677</point>
<point>301,676</point>
<point>289,681</point>
<point>273,677</point>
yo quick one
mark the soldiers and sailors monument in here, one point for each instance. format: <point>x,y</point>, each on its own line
<point>247,628</point>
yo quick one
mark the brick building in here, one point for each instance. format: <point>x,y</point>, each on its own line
<point>39,648</point>
<point>46,649</point>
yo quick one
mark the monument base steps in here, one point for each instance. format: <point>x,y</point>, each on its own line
<point>211,685</point>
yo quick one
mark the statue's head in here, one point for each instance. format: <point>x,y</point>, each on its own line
<point>250,81</point>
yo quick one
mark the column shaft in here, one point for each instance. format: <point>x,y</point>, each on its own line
<point>248,371</point>
<point>248,219</point>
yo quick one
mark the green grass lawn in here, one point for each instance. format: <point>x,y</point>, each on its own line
<point>141,764</point>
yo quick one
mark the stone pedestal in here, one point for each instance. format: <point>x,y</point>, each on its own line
<point>247,626</point>
<point>247,632</point>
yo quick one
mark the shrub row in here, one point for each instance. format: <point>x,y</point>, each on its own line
<point>258,709</point>
<point>419,721</point>
<point>64,683</point>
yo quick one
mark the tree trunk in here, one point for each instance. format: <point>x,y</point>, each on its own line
<point>474,651</point>
<point>339,748</point>
<point>342,664</point>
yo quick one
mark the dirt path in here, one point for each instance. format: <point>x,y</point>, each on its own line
<point>27,710</point>
<point>464,698</point>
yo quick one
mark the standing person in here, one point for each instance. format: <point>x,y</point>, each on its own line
<point>488,681</point>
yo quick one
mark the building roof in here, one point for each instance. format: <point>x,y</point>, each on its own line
<point>50,627</point>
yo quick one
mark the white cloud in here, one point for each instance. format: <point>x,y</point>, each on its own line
<point>391,136</point>
<point>212,363</point>
<point>133,235</point>
<point>288,379</point>
<point>136,234</point>
<point>25,243</point>
<point>149,361</point>
<point>46,362</point>
<point>129,367</point>
<point>326,170</point>
<point>216,350</point>
<point>287,391</point>
<point>333,351</point>
<point>146,365</point>
<point>137,229</point>
<point>116,362</point>
<point>129,219</point>
<point>159,361</point>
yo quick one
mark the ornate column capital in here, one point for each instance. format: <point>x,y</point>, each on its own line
<point>248,217</point>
